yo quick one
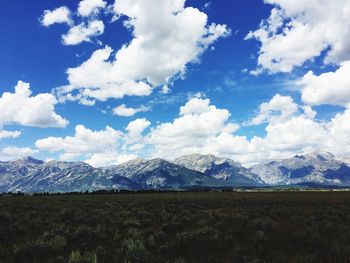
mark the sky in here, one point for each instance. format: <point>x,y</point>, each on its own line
<point>106,81</point>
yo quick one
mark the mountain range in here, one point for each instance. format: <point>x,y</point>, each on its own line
<point>27,174</point>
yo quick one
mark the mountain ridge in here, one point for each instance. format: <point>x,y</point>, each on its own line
<point>28,174</point>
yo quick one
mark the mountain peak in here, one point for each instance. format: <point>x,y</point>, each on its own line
<point>133,162</point>
<point>29,160</point>
<point>320,155</point>
<point>198,155</point>
<point>191,170</point>
<point>202,162</point>
<point>310,167</point>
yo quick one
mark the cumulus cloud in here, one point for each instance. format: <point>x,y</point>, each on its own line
<point>204,128</point>
<point>290,129</point>
<point>190,132</point>
<point>83,32</point>
<point>107,159</point>
<point>61,15</point>
<point>135,129</point>
<point>22,108</point>
<point>167,36</point>
<point>279,108</point>
<point>9,134</point>
<point>90,7</point>
<point>96,70</point>
<point>84,142</point>
<point>97,148</point>
<point>327,88</point>
<point>339,131</point>
<point>89,28</point>
<point>124,111</point>
<point>11,153</point>
<point>298,31</point>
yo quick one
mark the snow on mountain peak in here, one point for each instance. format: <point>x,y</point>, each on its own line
<point>320,155</point>
<point>202,162</point>
<point>297,168</point>
<point>29,174</point>
<point>28,160</point>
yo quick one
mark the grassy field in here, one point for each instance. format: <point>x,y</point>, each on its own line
<point>177,227</point>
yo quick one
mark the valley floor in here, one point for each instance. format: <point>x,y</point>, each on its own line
<point>177,227</point>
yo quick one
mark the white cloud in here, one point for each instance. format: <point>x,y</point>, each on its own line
<point>97,148</point>
<point>135,129</point>
<point>207,5</point>
<point>196,106</point>
<point>124,111</point>
<point>97,69</point>
<point>106,159</point>
<point>203,128</point>
<point>165,89</point>
<point>11,153</point>
<point>22,108</point>
<point>298,31</point>
<point>88,29</point>
<point>327,88</point>
<point>84,142</point>
<point>339,134</point>
<point>61,15</point>
<point>9,134</point>
<point>167,36</point>
<point>191,131</point>
<point>200,128</point>
<point>83,32</point>
<point>279,108</point>
<point>90,7</point>
<point>291,129</point>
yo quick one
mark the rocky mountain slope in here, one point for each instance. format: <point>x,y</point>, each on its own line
<point>31,175</point>
<point>316,167</point>
<point>225,170</point>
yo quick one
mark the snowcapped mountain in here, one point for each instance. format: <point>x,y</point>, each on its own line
<point>158,173</point>
<point>31,175</point>
<point>202,163</point>
<point>11,172</point>
<point>225,170</point>
<point>346,160</point>
<point>315,167</point>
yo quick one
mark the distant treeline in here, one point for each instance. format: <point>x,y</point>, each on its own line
<point>124,191</point>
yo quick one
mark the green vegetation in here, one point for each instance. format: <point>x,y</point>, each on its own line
<point>177,227</point>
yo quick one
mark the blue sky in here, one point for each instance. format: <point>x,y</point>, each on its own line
<point>218,74</point>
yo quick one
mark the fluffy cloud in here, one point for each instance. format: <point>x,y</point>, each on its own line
<point>327,88</point>
<point>11,153</point>
<point>166,37</point>
<point>124,111</point>
<point>191,131</point>
<point>88,29</point>
<point>279,108</point>
<point>59,15</point>
<point>84,142</point>
<point>291,129</point>
<point>83,32</point>
<point>106,159</point>
<point>98,148</point>
<point>298,31</point>
<point>339,131</point>
<point>203,128</point>
<point>97,69</point>
<point>200,128</point>
<point>22,108</point>
<point>90,7</point>
<point>135,130</point>
<point>9,134</point>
